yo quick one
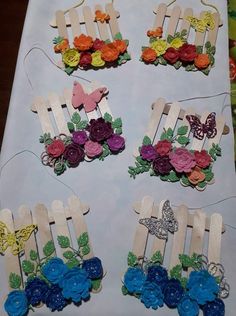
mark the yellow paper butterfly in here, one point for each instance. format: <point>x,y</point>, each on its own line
<point>200,25</point>
<point>15,240</point>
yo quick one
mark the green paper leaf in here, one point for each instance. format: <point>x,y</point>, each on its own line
<point>185,180</point>
<point>202,184</point>
<point>146,141</point>
<point>213,50</point>
<point>118,36</point>
<point>178,64</point>
<point>117,123</point>
<point>96,284</point>
<point>69,70</point>
<point>183,140</point>
<point>182,130</point>
<point>107,41</point>
<point>68,254</point>
<point>144,47</point>
<point>169,39</point>
<point>132,259</point>
<point>64,241</point>
<point>164,178</point>
<point>49,248</point>
<point>185,260</point>
<point>126,42</point>
<point>208,44</point>
<point>14,280</point>
<point>173,176</point>
<point>75,118</point>
<point>183,33</point>
<point>106,152</point>
<point>156,62</point>
<point>162,61</point>
<point>170,132</point>
<point>199,49</point>
<point>27,266</point>
<point>157,257</point>
<point>59,168</point>
<point>85,250</point>
<point>176,272</point>
<point>142,161</point>
<point>72,263</point>
<point>57,39</point>
<point>33,255</point>
<point>46,139</point>
<point>118,131</point>
<point>206,71</point>
<point>184,282</point>
<point>152,40</point>
<point>124,290</point>
<point>190,67</point>
<point>83,239</point>
<point>81,125</point>
<point>209,174</point>
<point>107,117</point>
<point>71,127</point>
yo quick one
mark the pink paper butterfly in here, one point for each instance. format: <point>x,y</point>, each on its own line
<point>200,129</point>
<point>89,101</point>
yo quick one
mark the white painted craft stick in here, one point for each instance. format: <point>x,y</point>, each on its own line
<point>160,16</point>
<point>75,23</point>
<point>185,25</point>
<point>200,36</point>
<point>172,116</point>
<point>214,246</point>
<point>220,123</point>
<point>173,22</point>
<point>198,144</point>
<point>159,244</point>
<point>89,22</point>
<point>61,24</point>
<point>102,27</point>
<point>178,244</point>
<point>58,113</point>
<point>212,34</point>
<point>103,104</point>
<point>185,122</point>
<point>43,114</point>
<point>113,19</point>
<point>141,234</point>
<point>68,98</point>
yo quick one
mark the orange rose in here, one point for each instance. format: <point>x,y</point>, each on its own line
<point>149,55</point>
<point>83,42</point>
<point>109,52</point>
<point>202,61</point>
<point>62,46</point>
<point>155,33</point>
<point>120,46</point>
<point>101,16</point>
<point>196,176</point>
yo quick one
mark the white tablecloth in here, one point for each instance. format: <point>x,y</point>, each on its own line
<point>106,186</point>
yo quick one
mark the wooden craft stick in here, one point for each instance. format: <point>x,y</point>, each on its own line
<point>159,244</point>
<point>41,218</point>
<point>172,116</point>
<point>78,221</point>
<point>141,234</point>
<point>196,245</point>
<point>185,25</point>
<point>155,118</point>
<point>61,24</point>
<point>43,114</point>
<point>103,104</point>
<point>212,34</point>
<point>113,19</point>
<point>220,123</point>
<point>160,16</point>
<point>75,23</point>
<point>214,245</point>
<point>60,220</point>
<point>173,22</point>
<point>198,144</point>
<point>179,237</point>
<point>12,263</point>
<point>89,24</point>
<point>68,97</point>
<point>185,122</point>
<point>58,113</point>
<point>102,27</point>
<point>25,217</point>
<point>200,36</point>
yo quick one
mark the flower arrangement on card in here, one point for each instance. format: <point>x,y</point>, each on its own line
<point>97,138</point>
<point>53,282</point>
<point>177,52</point>
<point>173,163</point>
<point>155,287</point>
<point>88,53</point>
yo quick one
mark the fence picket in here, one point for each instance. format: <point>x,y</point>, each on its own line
<point>75,22</point>
<point>61,24</point>
<point>220,123</point>
<point>212,34</point>
<point>102,27</point>
<point>172,116</point>
<point>43,114</point>
<point>185,25</point>
<point>67,93</point>
<point>58,113</point>
<point>214,245</point>
<point>160,16</point>
<point>159,244</point>
<point>200,36</point>
<point>113,19</point>
<point>89,22</point>
<point>173,22</point>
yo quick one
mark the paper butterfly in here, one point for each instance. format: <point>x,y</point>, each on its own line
<point>160,227</point>
<point>200,129</point>
<point>200,25</point>
<point>89,101</point>
<point>15,240</point>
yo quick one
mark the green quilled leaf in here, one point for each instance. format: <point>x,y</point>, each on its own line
<point>85,250</point>
<point>118,131</point>
<point>83,239</point>
<point>146,141</point>
<point>72,263</point>
<point>27,266</point>
<point>183,140</point>
<point>64,241</point>
<point>118,36</point>
<point>182,130</point>
<point>75,118</point>
<point>117,123</point>
<point>33,255</point>
<point>49,248</point>
<point>157,257</point>
<point>96,284</point>
<point>124,290</point>
<point>68,254</point>
<point>107,117</point>
<point>81,125</point>
<point>14,280</point>
<point>71,127</point>
<point>132,259</point>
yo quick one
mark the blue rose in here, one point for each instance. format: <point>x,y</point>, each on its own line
<point>134,279</point>
<point>76,285</point>
<point>187,307</point>
<point>151,295</point>
<point>215,308</point>
<point>54,270</point>
<point>93,267</point>
<point>54,299</point>
<point>202,287</point>
<point>173,293</point>
<point>16,303</point>
<point>36,291</point>
<point>158,275</point>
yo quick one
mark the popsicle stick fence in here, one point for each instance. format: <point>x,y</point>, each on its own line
<point>202,229</point>
<point>71,22</point>
<point>47,220</point>
<point>56,111</point>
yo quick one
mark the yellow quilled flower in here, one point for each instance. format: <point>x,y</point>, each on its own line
<point>71,57</point>
<point>176,43</point>
<point>160,46</point>
<point>97,60</point>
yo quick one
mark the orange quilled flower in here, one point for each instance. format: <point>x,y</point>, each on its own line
<point>196,176</point>
<point>120,45</point>
<point>202,61</point>
<point>101,16</point>
<point>109,52</point>
<point>149,55</point>
<point>83,42</point>
<point>62,46</point>
<point>155,33</point>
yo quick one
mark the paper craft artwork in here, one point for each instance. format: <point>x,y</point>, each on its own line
<point>169,42</point>
<point>184,150</point>
<point>90,50</point>
<point>51,269</point>
<point>186,281</point>
<point>70,139</point>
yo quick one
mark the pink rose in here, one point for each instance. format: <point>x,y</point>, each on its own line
<point>163,147</point>
<point>203,159</point>
<point>92,149</point>
<point>56,148</point>
<point>182,160</point>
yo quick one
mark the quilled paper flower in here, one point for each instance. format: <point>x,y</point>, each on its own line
<point>215,308</point>
<point>116,143</point>
<point>176,43</point>
<point>163,147</point>
<point>151,295</point>
<point>16,303</point>
<point>83,42</point>
<point>160,46</point>
<point>196,176</point>
<point>54,300</point>
<point>36,291</point>
<point>85,59</point>
<point>56,148</point>
<point>173,293</point>
<point>98,44</point>
<point>134,279</point>
<point>182,160</point>
<point>202,61</point>
<point>171,55</point>
<point>188,307</point>
<point>149,55</point>
<point>109,52</point>
<point>62,46</point>
<point>74,154</point>
<point>120,45</point>
<point>54,270</point>
<point>187,52</point>
<point>79,137</point>
<point>158,275</point>
<point>202,158</point>
<point>161,165</point>
<point>71,57</point>
<point>99,129</point>
<point>92,149</point>
<point>93,267</point>
<point>148,152</point>
<point>97,60</point>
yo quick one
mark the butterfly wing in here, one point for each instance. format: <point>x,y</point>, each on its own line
<point>210,125</point>
<point>92,99</point>
<point>196,126</point>
<point>168,217</point>
<point>4,232</point>
<point>78,95</point>
<point>22,236</point>
<point>155,227</point>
